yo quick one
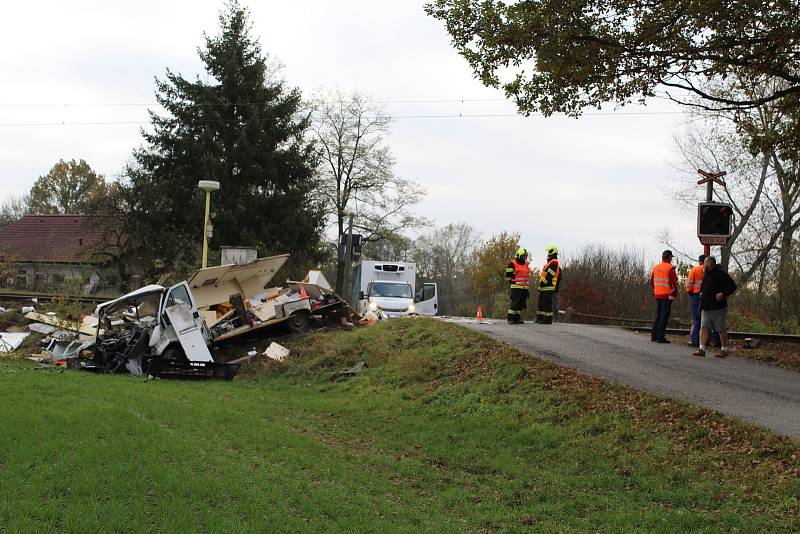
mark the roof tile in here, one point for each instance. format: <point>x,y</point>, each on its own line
<point>52,239</point>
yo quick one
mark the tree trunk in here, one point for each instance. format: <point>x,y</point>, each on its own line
<point>340,264</point>
<point>122,271</point>
<point>762,279</point>
<point>784,281</point>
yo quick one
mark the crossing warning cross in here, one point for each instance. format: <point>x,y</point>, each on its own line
<point>711,177</point>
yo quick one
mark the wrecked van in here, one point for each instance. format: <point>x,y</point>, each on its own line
<point>167,331</point>
<point>154,331</point>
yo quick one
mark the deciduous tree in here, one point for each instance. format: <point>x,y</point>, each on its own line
<point>487,273</point>
<point>556,56</point>
<point>69,187</point>
<point>356,171</point>
<point>443,256</point>
<point>14,208</point>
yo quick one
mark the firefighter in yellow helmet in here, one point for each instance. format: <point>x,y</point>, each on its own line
<point>548,285</point>
<point>518,274</point>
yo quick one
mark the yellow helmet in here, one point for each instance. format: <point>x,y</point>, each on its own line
<point>521,252</point>
<point>551,250</point>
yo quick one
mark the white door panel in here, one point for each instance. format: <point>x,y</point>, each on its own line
<point>189,333</point>
<point>428,300</point>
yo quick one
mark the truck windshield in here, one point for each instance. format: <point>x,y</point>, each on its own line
<point>382,289</point>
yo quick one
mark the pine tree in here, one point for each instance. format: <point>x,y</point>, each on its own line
<point>242,127</point>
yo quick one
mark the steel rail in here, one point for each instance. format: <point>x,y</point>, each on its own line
<point>733,335</point>
<point>47,297</point>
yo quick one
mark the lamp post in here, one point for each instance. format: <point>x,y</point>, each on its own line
<point>208,186</point>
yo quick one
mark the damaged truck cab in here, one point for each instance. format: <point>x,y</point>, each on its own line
<point>155,331</point>
<point>167,331</point>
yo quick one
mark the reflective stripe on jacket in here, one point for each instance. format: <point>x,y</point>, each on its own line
<point>521,276</point>
<point>548,280</point>
<point>695,280</point>
<point>661,280</point>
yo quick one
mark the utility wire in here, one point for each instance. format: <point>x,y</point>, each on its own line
<point>392,118</point>
<point>145,104</point>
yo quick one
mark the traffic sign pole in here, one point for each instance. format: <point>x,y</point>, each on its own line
<point>709,198</point>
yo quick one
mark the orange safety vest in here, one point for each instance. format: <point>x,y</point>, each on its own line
<point>695,280</point>
<point>522,275</point>
<point>554,269</point>
<point>661,287</point>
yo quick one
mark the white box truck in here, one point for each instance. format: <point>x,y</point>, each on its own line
<point>390,287</point>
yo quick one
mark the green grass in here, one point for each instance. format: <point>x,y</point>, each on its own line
<point>444,431</point>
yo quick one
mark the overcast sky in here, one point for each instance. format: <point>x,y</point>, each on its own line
<point>598,179</point>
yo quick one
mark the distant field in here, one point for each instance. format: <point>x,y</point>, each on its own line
<point>444,431</point>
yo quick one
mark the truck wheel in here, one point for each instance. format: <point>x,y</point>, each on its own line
<point>299,321</point>
<point>174,353</point>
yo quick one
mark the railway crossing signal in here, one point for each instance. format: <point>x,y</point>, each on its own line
<point>714,219</point>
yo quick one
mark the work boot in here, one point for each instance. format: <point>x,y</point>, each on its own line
<point>721,354</point>
<point>699,352</point>
<point>664,341</point>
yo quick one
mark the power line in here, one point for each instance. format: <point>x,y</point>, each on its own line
<point>145,104</point>
<point>393,118</point>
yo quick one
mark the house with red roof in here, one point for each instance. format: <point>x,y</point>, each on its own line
<point>42,252</point>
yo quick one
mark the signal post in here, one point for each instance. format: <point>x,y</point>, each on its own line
<point>714,219</point>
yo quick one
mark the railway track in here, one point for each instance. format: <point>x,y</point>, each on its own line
<point>646,323</point>
<point>48,297</point>
<point>787,338</point>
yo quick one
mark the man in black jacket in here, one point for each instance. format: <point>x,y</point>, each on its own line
<point>716,288</point>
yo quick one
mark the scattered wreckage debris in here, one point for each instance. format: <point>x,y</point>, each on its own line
<point>276,352</point>
<point>167,331</point>
<point>87,326</point>
<point>349,373</point>
<point>11,341</point>
<point>273,352</point>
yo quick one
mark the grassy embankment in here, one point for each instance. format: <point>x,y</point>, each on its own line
<point>445,430</point>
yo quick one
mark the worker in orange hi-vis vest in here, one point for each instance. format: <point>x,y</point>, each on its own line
<point>693,285</point>
<point>664,282</point>
<point>518,274</point>
<point>548,285</point>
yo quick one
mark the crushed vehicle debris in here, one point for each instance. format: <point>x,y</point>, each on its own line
<point>160,331</point>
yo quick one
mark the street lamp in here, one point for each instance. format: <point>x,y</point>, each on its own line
<point>208,186</point>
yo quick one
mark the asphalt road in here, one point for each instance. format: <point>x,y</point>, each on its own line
<point>766,396</point>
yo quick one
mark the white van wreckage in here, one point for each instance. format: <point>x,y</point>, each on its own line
<point>160,331</point>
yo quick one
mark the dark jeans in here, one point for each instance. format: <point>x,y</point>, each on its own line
<point>695,319</point>
<point>663,309</point>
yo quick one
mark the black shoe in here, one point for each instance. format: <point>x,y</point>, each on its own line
<point>512,321</point>
<point>653,340</point>
<point>664,341</point>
